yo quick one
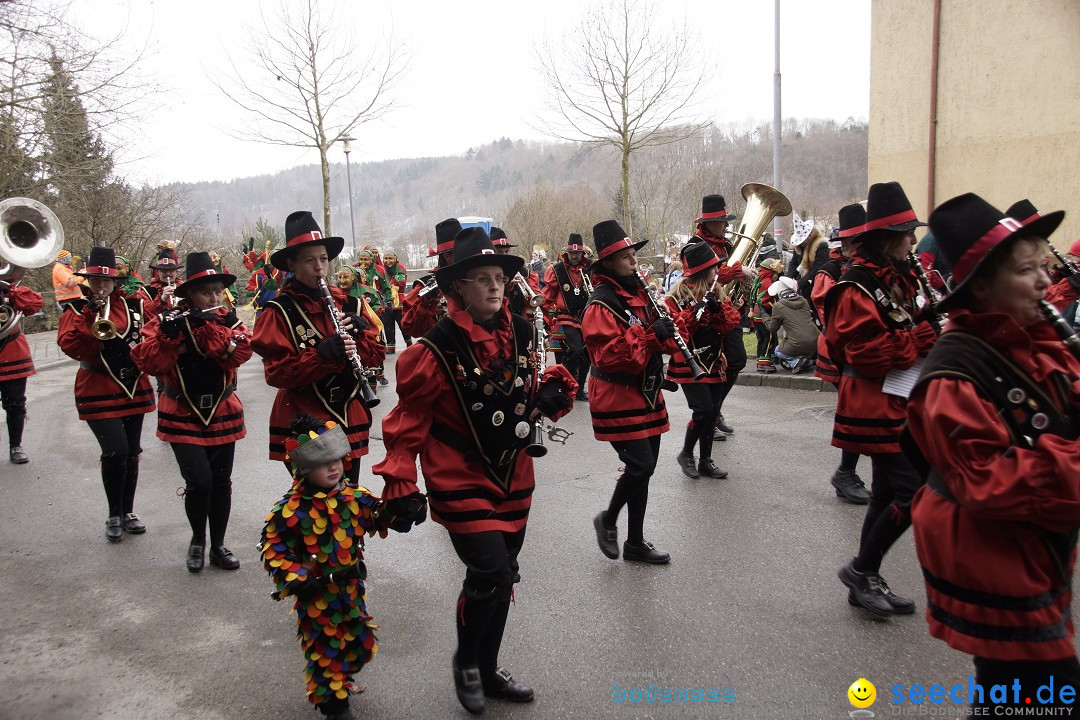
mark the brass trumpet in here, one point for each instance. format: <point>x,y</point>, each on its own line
<point>533,298</point>
<point>103,328</point>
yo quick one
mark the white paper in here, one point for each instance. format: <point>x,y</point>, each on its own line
<point>900,382</point>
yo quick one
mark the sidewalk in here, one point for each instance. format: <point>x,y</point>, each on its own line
<point>783,379</point>
<point>44,350</point>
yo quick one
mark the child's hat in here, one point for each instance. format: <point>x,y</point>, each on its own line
<point>314,444</point>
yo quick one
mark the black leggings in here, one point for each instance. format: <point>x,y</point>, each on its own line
<point>632,490</point>
<point>207,472</point>
<point>13,400</point>
<point>491,569</point>
<point>888,515</point>
<point>389,318</point>
<point>704,400</point>
<point>120,441</point>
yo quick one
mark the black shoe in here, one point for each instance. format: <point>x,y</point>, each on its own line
<point>196,557</point>
<point>582,396</point>
<point>18,455</point>
<point>722,424</point>
<point>113,529</point>
<point>383,381</point>
<point>606,538</point>
<point>767,369</point>
<point>133,525</point>
<point>718,435</point>
<point>390,351</point>
<point>850,487</point>
<point>708,468</point>
<point>470,691</point>
<point>646,553</point>
<point>223,558</point>
<point>900,605</point>
<point>688,465</point>
<point>866,589</point>
<point>346,714</point>
<point>504,687</point>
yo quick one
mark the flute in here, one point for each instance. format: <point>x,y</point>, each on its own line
<point>370,399</point>
<point>695,367</point>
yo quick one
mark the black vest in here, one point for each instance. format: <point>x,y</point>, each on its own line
<point>650,380</point>
<point>203,383</point>
<point>895,315</point>
<point>116,353</point>
<point>573,295</point>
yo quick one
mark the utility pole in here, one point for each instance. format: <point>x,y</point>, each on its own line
<point>778,225</point>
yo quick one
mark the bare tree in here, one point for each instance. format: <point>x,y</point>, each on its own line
<point>621,78</point>
<point>311,83</point>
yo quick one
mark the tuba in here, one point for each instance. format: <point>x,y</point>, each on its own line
<point>30,237</point>
<point>763,204</point>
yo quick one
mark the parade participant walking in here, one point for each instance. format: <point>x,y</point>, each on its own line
<point>303,356</point>
<point>874,327</point>
<point>845,481</point>
<point>420,312</point>
<point>625,337</point>
<point>16,363</point>
<point>712,226</point>
<point>1065,278</point>
<point>111,394</point>
<point>195,348</point>
<point>520,302</point>
<point>995,413</point>
<point>396,277</point>
<point>159,291</point>
<point>565,296</point>
<point>467,394</point>
<point>65,284</point>
<point>319,560</point>
<point>695,305</point>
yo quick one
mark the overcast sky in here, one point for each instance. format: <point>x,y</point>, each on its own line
<point>471,78</point>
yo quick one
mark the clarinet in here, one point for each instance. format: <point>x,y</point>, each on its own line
<point>536,448</point>
<point>370,399</point>
<point>695,368</point>
<point>1062,327</point>
<point>930,293</point>
<point>1068,268</point>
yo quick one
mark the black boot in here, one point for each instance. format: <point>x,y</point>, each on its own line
<point>849,486</point>
<point>607,538</point>
<point>645,552</point>
<point>470,691</point>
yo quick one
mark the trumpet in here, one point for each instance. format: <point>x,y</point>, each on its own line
<point>103,328</point>
<point>695,367</point>
<point>533,298</point>
<point>430,285</point>
<point>586,282</point>
<point>370,399</point>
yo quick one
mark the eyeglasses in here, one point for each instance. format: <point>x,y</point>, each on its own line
<point>488,281</point>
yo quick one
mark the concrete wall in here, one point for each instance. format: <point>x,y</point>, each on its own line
<point>1008,102</point>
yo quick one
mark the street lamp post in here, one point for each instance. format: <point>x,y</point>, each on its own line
<point>348,175</point>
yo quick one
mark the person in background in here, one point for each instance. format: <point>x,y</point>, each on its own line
<point>419,313</point>
<point>65,284</point>
<point>565,297</point>
<point>158,294</point>
<point>791,313</point>
<point>519,303</point>
<point>396,278</point>
<point>766,341</point>
<point>1065,280</point>
<point>675,271</point>
<point>812,252</point>
<point>16,364</point>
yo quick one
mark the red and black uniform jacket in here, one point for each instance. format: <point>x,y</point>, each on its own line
<point>996,413</point>
<point>625,400</point>
<point>826,278</point>
<point>870,333</point>
<point>705,338</point>
<point>564,293</point>
<point>287,332</point>
<point>419,314</point>
<point>15,359</point>
<point>464,398</point>
<point>724,273</point>
<point>108,383</point>
<point>198,404</point>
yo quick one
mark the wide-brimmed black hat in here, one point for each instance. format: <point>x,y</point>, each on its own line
<point>852,221</point>
<point>301,230</point>
<point>714,209</point>
<point>1023,211</point>
<point>969,231</point>
<point>499,239</point>
<point>887,208</point>
<point>473,248</point>
<point>609,238</point>
<point>166,260</point>
<point>575,244</point>
<point>445,232</point>
<point>200,268</point>
<point>698,257</point>
<point>101,263</point>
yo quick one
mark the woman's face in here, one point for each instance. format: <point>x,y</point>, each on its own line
<point>482,291</point>
<point>102,286</point>
<point>899,247</point>
<point>344,278</point>
<point>622,263</point>
<point>1018,284</point>
<point>206,295</point>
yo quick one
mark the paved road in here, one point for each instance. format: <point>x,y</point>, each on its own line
<point>750,603</point>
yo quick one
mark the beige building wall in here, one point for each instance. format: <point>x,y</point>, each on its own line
<point>1008,102</point>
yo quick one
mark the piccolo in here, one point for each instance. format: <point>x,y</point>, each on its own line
<point>370,399</point>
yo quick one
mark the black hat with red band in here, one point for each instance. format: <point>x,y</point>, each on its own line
<point>714,209</point>
<point>852,221</point>
<point>575,244</point>
<point>200,269</point>
<point>101,263</point>
<point>445,232</point>
<point>1023,211</point>
<point>473,248</point>
<point>302,230</point>
<point>166,260</point>
<point>499,239</point>
<point>698,257</point>
<point>610,238</point>
<point>887,208</point>
<point>969,231</point>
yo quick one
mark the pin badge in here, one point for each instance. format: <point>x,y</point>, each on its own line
<point>522,429</point>
<point>488,389</point>
<point>497,418</point>
<point>1040,421</point>
<point>518,382</point>
<point>1016,396</point>
<point>478,406</point>
<point>566,286</point>
<point>519,409</point>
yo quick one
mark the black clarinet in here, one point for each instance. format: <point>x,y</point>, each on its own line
<point>370,399</point>
<point>1062,327</point>
<point>931,294</point>
<point>695,367</point>
<point>536,448</point>
<point>1068,268</point>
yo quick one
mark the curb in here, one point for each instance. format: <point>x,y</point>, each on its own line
<point>785,381</point>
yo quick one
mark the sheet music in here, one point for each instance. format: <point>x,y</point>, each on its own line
<point>900,382</point>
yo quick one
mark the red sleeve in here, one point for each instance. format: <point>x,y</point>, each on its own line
<point>157,353</point>
<point>418,315</point>
<point>551,292</point>
<point>616,348</point>
<point>727,273</point>
<point>534,282</point>
<point>823,283</point>
<point>284,367</point>
<point>560,373</point>
<point>727,319</point>
<point>25,300</point>
<point>1062,294</point>
<point>75,337</point>
<point>962,436</point>
<point>214,339</point>
<point>864,342</point>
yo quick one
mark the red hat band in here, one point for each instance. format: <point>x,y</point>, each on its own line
<point>306,237</point>
<point>615,247</point>
<point>890,220</point>
<point>694,270</point>
<point>718,215</point>
<point>962,268</point>
<point>848,232</point>
<point>204,273</point>
<point>100,270</point>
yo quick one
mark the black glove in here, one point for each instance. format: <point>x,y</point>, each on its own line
<point>552,398</point>
<point>359,323</point>
<point>172,324</point>
<point>664,329</point>
<point>711,302</point>
<point>4,286</point>
<point>331,349</point>
<point>406,512</point>
<point>356,571</point>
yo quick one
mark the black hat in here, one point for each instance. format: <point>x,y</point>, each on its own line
<point>852,219</point>
<point>166,260</point>
<point>698,257</point>
<point>969,230</point>
<point>300,230</point>
<point>1023,211</point>
<point>887,208</point>
<point>574,243</point>
<point>101,263</point>
<point>499,239</point>
<point>445,232</point>
<point>610,238</point>
<point>200,268</point>
<point>714,209</point>
<point>473,248</point>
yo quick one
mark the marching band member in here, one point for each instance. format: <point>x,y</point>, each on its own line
<point>466,394</point>
<point>1063,292</point>
<point>625,338</point>
<point>111,394</point>
<point>695,306</point>
<point>519,304</point>
<point>565,297</point>
<point>995,413</point>
<point>874,326</point>
<point>845,481</point>
<point>396,277</point>
<point>419,313</point>
<point>196,348</point>
<point>16,364</point>
<point>302,354</point>
<point>158,293</point>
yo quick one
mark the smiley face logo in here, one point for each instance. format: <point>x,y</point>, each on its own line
<point>862,693</point>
